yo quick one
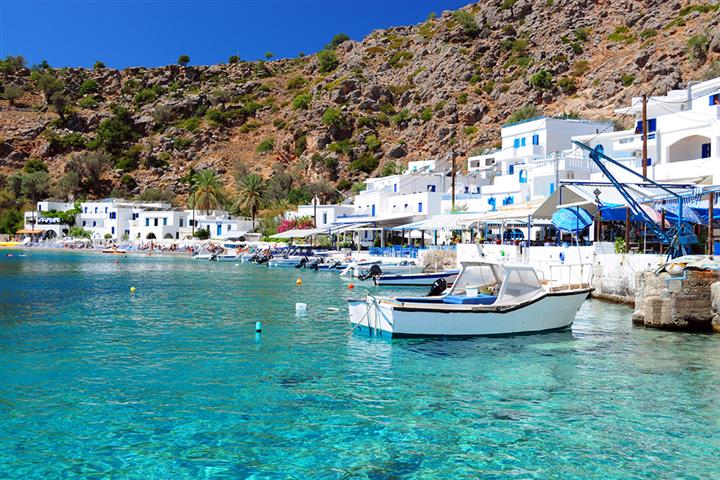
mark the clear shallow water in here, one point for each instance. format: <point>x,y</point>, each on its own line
<point>172,382</point>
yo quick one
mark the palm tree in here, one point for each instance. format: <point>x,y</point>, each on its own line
<point>206,191</point>
<point>251,196</point>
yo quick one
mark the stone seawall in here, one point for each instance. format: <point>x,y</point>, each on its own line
<point>687,301</point>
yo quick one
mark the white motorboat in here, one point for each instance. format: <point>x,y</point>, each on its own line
<point>486,299</point>
<point>291,261</point>
<point>203,256</point>
<point>354,266</point>
<point>364,272</point>
<point>228,256</point>
<point>415,279</point>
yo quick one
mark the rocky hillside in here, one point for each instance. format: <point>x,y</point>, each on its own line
<point>356,108</point>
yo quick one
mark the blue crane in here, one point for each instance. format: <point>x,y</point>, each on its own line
<point>679,236</point>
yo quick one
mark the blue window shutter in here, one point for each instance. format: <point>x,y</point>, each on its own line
<point>649,161</point>
<point>638,126</point>
<point>516,143</point>
<point>373,211</point>
<point>420,207</point>
<point>705,150</point>
<point>522,141</point>
<point>652,124</point>
<point>536,139</point>
<point>511,169</point>
<point>112,230</point>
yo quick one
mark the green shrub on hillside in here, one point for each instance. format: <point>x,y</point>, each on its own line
<point>183,60</point>
<point>542,80</point>
<point>12,64</point>
<point>11,93</point>
<point>302,101</point>
<point>33,165</point>
<point>296,82</point>
<point>467,22</point>
<point>327,61</point>
<point>87,102</point>
<point>567,85</point>
<point>266,145</point>
<point>337,40</point>
<point>182,143</point>
<point>523,113</point>
<point>333,117</point>
<point>627,79</point>
<point>697,47</point>
<point>88,86</point>
<point>365,163</point>
<point>114,132</point>
<point>372,142</point>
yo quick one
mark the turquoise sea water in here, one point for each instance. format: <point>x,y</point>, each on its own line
<point>172,382</point>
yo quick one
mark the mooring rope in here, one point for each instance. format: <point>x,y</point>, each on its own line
<point>367,312</point>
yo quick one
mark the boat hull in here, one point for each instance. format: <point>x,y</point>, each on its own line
<point>362,270</point>
<point>551,312</point>
<point>415,279</point>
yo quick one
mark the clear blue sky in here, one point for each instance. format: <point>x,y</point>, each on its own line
<point>156,32</point>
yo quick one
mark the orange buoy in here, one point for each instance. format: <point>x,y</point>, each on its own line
<point>351,286</point>
<point>298,281</point>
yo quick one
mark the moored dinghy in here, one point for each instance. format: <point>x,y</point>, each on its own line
<point>486,299</point>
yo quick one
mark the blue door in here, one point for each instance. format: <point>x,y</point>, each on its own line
<point>372,211</point>
<point>219,229</point>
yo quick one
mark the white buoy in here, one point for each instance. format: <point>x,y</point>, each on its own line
<point>300,307</point>
<point>258,327</point>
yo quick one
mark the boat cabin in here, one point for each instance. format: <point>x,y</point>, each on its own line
<point>488,283</point>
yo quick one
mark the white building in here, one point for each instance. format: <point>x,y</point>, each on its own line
<point>219,223</point>
<point>325,215</point>
<point>158,225</point>
<point>42,219</point>
<point>112,217</point>
<point>529,164</point>
<point>683,141</point>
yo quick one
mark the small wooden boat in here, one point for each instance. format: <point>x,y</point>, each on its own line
<point>486,299</point>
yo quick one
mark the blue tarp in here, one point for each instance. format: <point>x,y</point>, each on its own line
<point>574,219</point>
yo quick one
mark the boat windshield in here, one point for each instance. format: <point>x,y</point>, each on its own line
<point>481,277</point>
<point>520,284</point>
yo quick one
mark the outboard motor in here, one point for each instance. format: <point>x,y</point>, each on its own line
<point>303,262</point>
<point>374,271</point>
<point>315,265</point>
<point>438,287</point>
